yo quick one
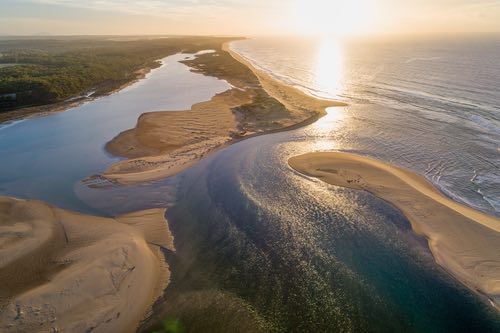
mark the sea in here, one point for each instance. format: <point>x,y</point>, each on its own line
<point>260,247</point>
<point>431,105</point>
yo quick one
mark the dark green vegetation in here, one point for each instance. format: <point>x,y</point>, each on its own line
<point>52,70</point>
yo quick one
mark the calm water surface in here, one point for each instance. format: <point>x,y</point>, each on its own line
<point>306,256</point>
<point>45,157</point>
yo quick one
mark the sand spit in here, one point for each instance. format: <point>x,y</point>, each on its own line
<point>165,143</point>
<point>66,272</point>
<point>464,241</point>
<point>300,105</point>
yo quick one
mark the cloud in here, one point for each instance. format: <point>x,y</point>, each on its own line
<point>166,8</point>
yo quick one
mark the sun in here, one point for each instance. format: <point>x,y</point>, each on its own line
<point>333,17</point>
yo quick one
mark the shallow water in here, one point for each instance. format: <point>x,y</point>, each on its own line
<point>46,157</point>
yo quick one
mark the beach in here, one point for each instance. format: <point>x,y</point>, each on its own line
<point>462,240</point>
<point>69,272</point>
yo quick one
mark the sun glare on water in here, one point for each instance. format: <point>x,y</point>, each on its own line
<point>329,67</point>
<point>333,17</point>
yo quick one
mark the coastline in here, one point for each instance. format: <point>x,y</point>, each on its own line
<point>295,100</point>
<point>155,152</point>
<point>65,271</point>
<point>462,240</point>
<point>159,162</point>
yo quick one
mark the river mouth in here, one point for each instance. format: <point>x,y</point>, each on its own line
<point>285,252</point>
<point>258,243</point>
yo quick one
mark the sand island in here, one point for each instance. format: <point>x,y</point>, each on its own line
<point>462,240</point>
<point>67,271</point>
<point>74,272</point>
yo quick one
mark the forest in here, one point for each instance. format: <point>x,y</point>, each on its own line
<point>45,71</point>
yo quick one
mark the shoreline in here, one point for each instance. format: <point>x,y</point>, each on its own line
<point>462,240</point>
<point>66,271</point>
<point>149,161</point>
<point>284,93</point>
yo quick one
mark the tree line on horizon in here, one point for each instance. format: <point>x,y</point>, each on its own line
<point>49,71</point>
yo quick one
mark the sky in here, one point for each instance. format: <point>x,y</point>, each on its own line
<point>250,18</point>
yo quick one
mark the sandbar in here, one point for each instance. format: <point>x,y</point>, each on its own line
<point>464,241</point>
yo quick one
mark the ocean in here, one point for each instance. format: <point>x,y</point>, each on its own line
<point>429,105</point>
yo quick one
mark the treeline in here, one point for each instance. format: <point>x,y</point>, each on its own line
<point>43,76</point>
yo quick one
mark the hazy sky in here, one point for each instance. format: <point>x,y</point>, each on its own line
<point>238,17</point>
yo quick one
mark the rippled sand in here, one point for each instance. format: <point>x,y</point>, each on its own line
<point>67,272</point>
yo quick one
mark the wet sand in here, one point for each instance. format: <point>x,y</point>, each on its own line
<point>67,272</point>
<point>464,241</point>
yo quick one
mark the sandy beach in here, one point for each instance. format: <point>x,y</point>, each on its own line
<point>300,105</point>
<point>67,272</point>
<point>464,241</point>
<point>165,143</point>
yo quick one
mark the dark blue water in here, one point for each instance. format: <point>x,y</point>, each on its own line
<point>308,256</point>
<point>259,246</point>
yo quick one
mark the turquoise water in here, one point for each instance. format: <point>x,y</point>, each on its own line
<point>46,157</point>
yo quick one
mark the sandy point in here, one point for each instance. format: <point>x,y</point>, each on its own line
<point>464,241</point>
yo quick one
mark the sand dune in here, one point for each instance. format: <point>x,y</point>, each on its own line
<point>163,143</point>
<point>464,241</point>
<point>67,272</point>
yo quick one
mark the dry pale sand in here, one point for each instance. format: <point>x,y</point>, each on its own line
<point>165,143</point>
<point>464,241</point>
<point>66,272</point>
